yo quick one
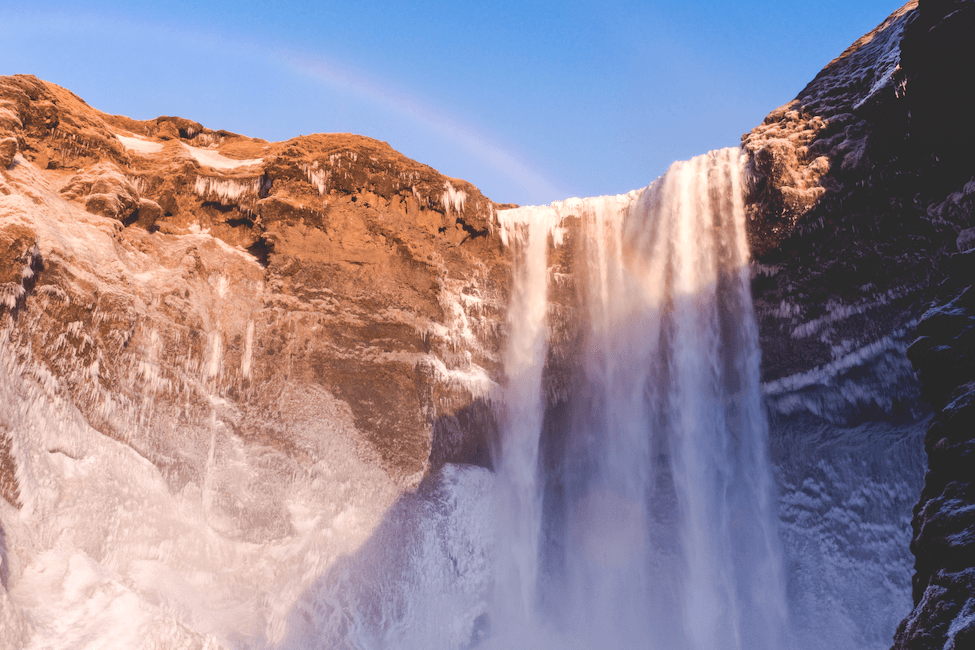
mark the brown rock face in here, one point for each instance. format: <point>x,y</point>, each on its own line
<point>171,281</point>
<point>8,149</point>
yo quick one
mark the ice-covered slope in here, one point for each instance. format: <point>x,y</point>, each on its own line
<point>331,260</point>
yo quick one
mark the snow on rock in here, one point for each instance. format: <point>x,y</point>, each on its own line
<point>216,160</point>
<point>883,47</point>
<point>139,144</point>
<point>179,422</point>
<point>821,131</point>
<point>966,240</point>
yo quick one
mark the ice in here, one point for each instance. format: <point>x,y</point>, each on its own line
<point>318,177</point>
<point>886,61</point>
<point>215,357</point>
<point>474,379</point>
<point>113,557</point>
<point>453,198</point>
<point>246,359</point>
<point>104,551</point>
<point>965,620</point>
<point>838,311</point>
<point>823,374</point>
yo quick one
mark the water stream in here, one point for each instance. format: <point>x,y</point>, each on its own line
<point>659,517</point>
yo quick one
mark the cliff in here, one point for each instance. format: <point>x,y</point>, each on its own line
<point>863,192</point>
<point>165,279</point>
<point>274,343</point>
<point>944,518</point>
<point>860,188</point>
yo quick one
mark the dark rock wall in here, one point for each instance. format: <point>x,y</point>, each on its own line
<point>860,188</point>
<point>854,212</point>
<point>944,517</point>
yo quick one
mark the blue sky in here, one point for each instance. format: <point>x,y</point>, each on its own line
<point>530,101</point>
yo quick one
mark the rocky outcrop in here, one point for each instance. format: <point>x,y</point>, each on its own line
<point>855,205</point>
<point>169,281</point>
<point>860,188</point>
<point>944,518</point>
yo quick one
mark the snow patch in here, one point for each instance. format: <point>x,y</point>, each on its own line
<point>474,379</point>
<point>837,311</point>
<point>140,144</point>
<point>886,62</point>
<point>216,160</point>
<point>963,621</point>
<point>823,374</point>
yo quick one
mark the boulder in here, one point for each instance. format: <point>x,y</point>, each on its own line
<point>8,149</point>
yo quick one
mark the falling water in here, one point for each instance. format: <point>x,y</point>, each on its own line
<point>651,523</point>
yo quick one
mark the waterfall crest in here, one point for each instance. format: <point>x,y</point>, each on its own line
<point>652,521</point>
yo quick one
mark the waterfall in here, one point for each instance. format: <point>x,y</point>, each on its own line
<point>631,502</point>
<point>644,516</point>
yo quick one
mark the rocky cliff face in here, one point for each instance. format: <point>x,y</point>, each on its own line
<point>255,348</point>
<point>167,280</point>
<point>944,518</point>
<point>861,186</point>
<point>854,210</point>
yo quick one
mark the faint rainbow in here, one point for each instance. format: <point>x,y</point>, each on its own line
<point>479,145</point>
<point>397,101</point>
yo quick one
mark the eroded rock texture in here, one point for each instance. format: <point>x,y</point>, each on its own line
<point>860,188</point>
<point>169,281</point>
<point>944,518</point>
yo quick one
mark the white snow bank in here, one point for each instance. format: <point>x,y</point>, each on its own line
<point>824,374</point>
<point>218,161</point>
<point>140,144</point>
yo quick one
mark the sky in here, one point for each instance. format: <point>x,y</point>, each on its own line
<point>530,101</point>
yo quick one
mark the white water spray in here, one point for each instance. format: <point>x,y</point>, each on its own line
<point>649,520</point>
